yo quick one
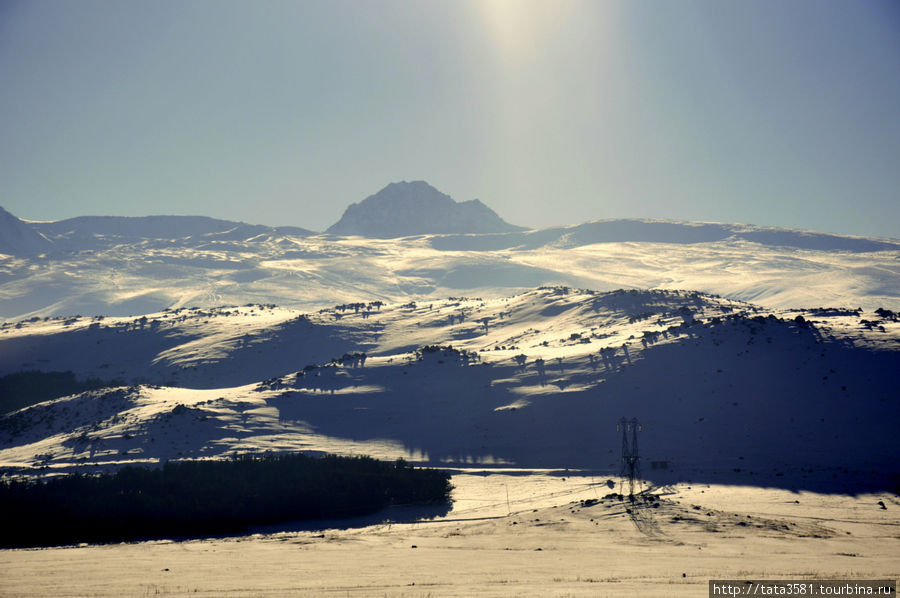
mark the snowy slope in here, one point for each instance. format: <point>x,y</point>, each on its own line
<point>724,389</point>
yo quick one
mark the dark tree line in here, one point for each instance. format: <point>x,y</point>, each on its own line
<point>199,498</point>
<point>23,389</point>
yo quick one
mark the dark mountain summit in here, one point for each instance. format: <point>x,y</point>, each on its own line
<point>18,237</point>
<point>416,208</point>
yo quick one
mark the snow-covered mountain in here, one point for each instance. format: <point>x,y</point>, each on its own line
<point>416,208</point>
<point>130,266</point>
<point>534,380</point>
<point>101,273</point>
<point>18,238</point>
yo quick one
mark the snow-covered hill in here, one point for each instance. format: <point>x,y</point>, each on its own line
<point>416,208</point>
<point>723,388</point>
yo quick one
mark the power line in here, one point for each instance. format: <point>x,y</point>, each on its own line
<point>631,459</point>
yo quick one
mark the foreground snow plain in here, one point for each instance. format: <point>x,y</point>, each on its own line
<point>522,533</point>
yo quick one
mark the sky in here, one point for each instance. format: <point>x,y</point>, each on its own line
<point>550,112</point>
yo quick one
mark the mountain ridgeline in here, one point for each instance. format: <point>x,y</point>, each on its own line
<point>399,210</point>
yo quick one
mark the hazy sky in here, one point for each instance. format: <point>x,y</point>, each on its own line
<point>551,112</point>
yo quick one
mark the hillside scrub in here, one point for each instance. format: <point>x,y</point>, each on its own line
<point>201,498</point>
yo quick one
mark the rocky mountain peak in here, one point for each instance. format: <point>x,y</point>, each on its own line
<point>415,208</point>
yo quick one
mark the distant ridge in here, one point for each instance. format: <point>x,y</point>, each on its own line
<point>156,227</point>
<point>416,208</point>
<point>662,231</point>
<point>18,237</point>
<point>92,232</point>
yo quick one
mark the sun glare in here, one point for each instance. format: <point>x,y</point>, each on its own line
<point>518,27</point>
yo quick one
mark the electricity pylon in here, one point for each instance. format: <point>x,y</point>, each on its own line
<point>631,460</point>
